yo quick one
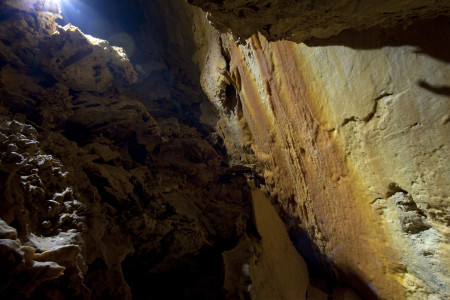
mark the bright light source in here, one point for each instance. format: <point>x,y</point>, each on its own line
<point>89,17</point>
<point>51,5</point>
<point>71,7</point>
<point>59,2</point>
<point>86,16</point>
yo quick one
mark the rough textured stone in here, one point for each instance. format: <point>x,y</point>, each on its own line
<point>107,176</point>
<point>279,281</point>
<point>269,270</point>
<point>352,137</point>
<point>301,20</point>
<point>99,198</point>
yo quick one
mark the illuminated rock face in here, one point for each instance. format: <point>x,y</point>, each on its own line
<point>352,136</point>
<point>105,194</point>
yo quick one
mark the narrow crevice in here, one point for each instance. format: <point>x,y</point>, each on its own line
<point>370,115</point>
<point>348,120</point>
<point>394,188</point>
<point>375,107</point>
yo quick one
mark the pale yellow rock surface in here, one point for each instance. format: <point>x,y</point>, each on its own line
<point>395,138</point>
<point>266,266</point>
<point>344,134</point>
<point>280,272</point>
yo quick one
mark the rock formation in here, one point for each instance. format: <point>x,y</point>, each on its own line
<point>98,198</point>
<point>351,133</point>
<point>302,20</point>
<point>165,177</point>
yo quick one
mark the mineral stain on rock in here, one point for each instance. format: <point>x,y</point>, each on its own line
<point>178,171</point>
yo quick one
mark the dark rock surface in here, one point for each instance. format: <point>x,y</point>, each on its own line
<point>302,20</point>
<point>98,198</point>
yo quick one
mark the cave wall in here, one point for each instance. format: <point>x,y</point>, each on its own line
<point>122,179</point>
<point>300,20</point>
<point>350,133</point>
<point>110,187</point>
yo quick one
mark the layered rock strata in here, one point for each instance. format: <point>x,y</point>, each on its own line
<point>302,20</point>
<point>351,135</point>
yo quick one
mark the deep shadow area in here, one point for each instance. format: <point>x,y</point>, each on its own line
<point>323,269</point>
<point>430,36</point>
<point>195,277</point>
<point>440,90</point>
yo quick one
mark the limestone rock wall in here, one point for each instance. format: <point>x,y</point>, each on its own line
<point>104,193</point>
<point>351,135</point>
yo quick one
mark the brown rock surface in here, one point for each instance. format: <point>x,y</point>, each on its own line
<point>301,20</point>
<point>98,198</point>
<point>113,185</point>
